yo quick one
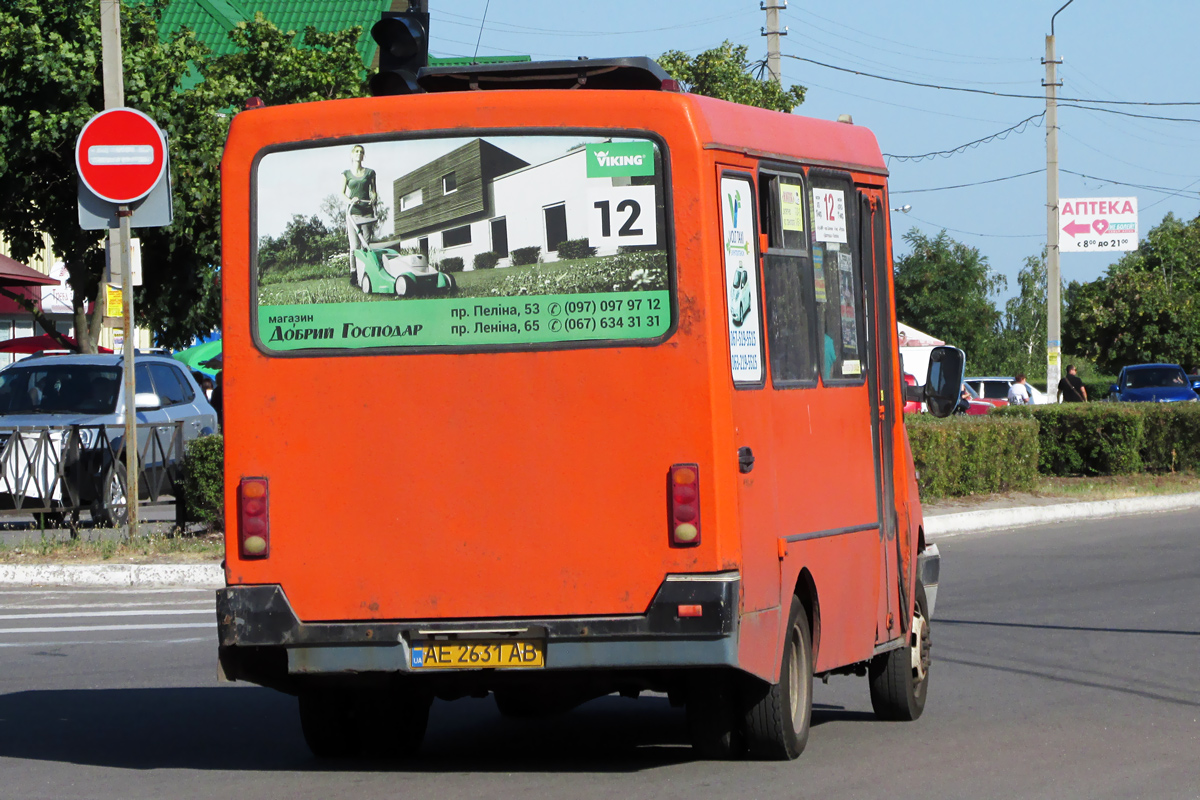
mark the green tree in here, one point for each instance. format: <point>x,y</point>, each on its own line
<point>50,85</point>
<point>945,287</point>
<point>1147,305</point>
<point>724,72</point>
<point>1023,340</point>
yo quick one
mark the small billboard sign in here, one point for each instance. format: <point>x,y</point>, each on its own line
<point>1097,224</point>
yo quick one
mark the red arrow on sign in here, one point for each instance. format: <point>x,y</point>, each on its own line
<point>1076,227</point>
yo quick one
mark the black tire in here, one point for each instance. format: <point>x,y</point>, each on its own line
<point>405,286</point>
<point>394,724</point>
<point>329,723</point>
<point>522,703</point>
<point>111,507</point>
<point>713,718</point>
<point>778,715</point>
<point>343,723</point>
<point>900,678</point>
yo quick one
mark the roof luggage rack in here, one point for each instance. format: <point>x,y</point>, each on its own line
<point>637,73</point>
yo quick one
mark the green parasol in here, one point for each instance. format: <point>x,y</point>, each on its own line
<point>198,357</point>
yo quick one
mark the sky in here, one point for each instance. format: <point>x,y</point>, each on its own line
<point>1140,52</point>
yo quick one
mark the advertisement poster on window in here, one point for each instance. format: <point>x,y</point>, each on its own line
<point>462,241</point>
<point>829,215</point>
<point>849,323</point>
<point>741,281</point>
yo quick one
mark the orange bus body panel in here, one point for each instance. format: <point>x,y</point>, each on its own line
<point>532,483</point>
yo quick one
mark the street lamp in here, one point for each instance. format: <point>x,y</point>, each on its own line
<point>1053,279</point>
<point>904,209</point>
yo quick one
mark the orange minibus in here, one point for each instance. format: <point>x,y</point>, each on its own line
<point>554,381</point>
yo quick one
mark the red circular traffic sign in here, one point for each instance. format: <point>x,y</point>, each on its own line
<point>120,155</point>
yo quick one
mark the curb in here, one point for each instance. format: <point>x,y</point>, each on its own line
<point>968,522</point>
<point>199,576</point>
<point>938,526</point>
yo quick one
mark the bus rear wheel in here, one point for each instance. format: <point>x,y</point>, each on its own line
<point>713,718</point>
<point>345,723</point>
<point>900,677</point>
<point>778,715</point>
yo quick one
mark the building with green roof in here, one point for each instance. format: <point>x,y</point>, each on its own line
<point>211,20</point>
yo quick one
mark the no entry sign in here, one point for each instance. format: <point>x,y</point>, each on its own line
<point>121,155</point>
<point>1097,224</point>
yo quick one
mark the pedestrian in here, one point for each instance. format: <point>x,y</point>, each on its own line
<point>1018,392</point>
<point>217,401</point>
<point>1071,388</point>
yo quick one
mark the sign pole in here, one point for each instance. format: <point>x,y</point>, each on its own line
<point>114,97</point>
<point>131,440</point>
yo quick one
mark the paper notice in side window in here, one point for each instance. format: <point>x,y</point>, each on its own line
<point>851,368</point>
<point>829,215</point>
<point>791,207</point>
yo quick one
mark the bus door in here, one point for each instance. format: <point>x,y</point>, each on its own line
<point>751,412</point>
<point>882,384</point>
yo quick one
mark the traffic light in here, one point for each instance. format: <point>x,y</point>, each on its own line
<point>403,38</point>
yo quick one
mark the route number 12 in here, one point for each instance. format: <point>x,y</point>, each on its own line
<point>622,215</point>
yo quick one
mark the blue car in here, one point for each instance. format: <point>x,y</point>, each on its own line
<point>1153,383</point>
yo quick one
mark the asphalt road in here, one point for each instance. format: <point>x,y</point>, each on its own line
<point>1066,664</point>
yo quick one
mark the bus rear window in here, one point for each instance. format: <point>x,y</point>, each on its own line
<point>541,240</point>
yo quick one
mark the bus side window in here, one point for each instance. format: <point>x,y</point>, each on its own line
<point>788,280</point>
<point>837,268</point>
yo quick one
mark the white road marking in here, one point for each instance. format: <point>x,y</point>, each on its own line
<point>144,613</point>
<point>107,641</point>
<point>83,629</point>
<point>190,603</point>
<point>114,590</point>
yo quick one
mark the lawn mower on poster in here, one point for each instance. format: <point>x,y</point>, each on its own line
<point>380,269</point>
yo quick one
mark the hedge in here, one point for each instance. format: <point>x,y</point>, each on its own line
<point>486,260</point>
<point>575,248</point>
<point>451,264</point>
<point>1170,437</point>
<point>203,479</point>
<point>1114,438</point>
<point>524,256</point>
<point>964,455</point>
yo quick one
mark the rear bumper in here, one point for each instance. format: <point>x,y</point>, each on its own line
<point>259,633</point>
<point>929,568</point>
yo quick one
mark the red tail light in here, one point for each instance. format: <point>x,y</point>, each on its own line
<point>254,529</point>
<point>684,488</point>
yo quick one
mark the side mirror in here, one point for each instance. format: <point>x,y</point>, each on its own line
<point>146,401</point>
<point>1112,389</point>
<point>943,382</point>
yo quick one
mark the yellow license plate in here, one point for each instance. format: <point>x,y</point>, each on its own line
<point>478,655</point>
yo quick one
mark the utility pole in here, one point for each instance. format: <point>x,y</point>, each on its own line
<point>772,32</point>
<point>1053,279</point>
<point>114,97</point>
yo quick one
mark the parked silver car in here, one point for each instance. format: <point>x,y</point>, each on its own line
<point>51,393</point>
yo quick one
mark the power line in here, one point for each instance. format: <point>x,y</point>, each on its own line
<point>989,235</point>
<point>1018,128</point>
<point>969,58</point>
<point>482,22</point>
<point>524,29</point>
<point>1148,188</point>
<point>999,94</point>
<point>965,185</point>
<point>1130,113</point>
<point>1168,197</point>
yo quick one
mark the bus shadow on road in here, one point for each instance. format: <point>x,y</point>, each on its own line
<point>247,728</point>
